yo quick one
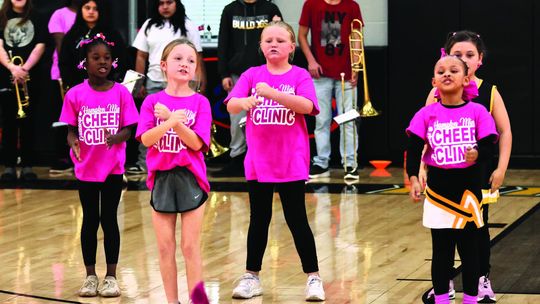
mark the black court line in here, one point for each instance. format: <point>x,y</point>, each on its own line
<point>497,225</point>
<point>414,280</point>
<point>38,297</point>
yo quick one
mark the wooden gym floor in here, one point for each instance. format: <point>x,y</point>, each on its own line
<point>371,245</point>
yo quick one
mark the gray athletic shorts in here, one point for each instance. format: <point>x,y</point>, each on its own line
<point>176,191</point>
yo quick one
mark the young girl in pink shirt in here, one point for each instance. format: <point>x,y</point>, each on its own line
<point>276,97</point>
<point>100,114</point>
<point>459,136</point>
<point>175,126</point>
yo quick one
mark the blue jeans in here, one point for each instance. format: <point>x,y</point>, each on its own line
<point>151,88</point>
<point>325,88</point>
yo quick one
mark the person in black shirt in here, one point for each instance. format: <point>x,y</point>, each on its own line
<point>92,18</point>
<point>242,22</point>
<point>21,35</point>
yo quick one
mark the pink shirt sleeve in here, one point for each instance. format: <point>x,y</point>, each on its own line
<point>130,115</point>
<point>417,125</point>
<point>306,88</point>
<point>146,117</point>
<point>203,122</point>
<point>55,23</point>
<point>69,112</point>
<point>242,87</point>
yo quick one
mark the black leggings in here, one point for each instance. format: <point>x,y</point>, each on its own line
<point>484,245</point>
<point>293,200</point>
<point>444,242</point>
<point>89,193</point>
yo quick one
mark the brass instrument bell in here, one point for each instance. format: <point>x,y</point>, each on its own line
<point>358,63</point>
<point>215,148</point>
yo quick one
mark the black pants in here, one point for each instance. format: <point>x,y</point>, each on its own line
<point>17,133</point>
<point>105,196</point>
<point>293,200</point>
<point>444,242</point>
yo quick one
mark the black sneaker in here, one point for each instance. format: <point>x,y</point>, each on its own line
<point>351,173</point>
<point>9,175</point>
<point>316,171</point>
<point>136,169</point>
<point>27,175</point>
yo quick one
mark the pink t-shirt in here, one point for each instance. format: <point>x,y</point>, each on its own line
<point>448,131</point>
<point>170,152</point>
<point>61,22</point>
<point>277,138</point>
<point>92,111</point>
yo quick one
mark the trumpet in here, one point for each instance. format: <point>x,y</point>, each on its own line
<point>358,63</point>
<point>21,90</point>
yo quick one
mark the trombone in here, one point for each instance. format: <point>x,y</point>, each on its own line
<point>358,63</point>
<point>215,148</point>
<point>21,90</point>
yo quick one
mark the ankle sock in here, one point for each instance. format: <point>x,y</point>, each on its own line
<point>467,299</point>
<point>442,299</point>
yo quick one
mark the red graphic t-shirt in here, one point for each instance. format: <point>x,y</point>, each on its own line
<point>330,26</point>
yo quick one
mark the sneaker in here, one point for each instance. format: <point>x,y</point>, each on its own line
<point>9,175</point>
<point>351,173</point>
<point>429,296</point>
<point>27,175</point>
<point>248,287</point>
<point>89,287</point>
<point>136,169</point>
<point>485,293</point>
<point>109,287</point>
<point>317,171</point>
<point>314,289</point>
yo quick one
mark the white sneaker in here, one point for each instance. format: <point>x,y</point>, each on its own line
<point>89,287</point>
<point>109,288</point>
<point>248,287</point>
<point>314,289</point>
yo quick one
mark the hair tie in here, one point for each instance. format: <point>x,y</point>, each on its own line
<point>115,63</point>
<point>97,36</point>
<point>443,53</point>
<point>82,65</point>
